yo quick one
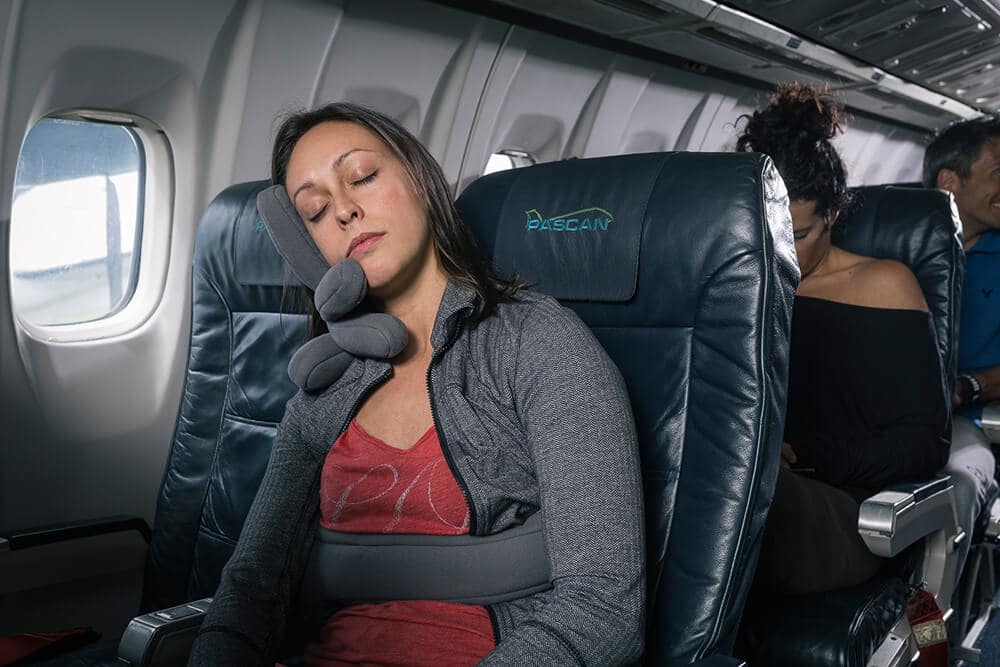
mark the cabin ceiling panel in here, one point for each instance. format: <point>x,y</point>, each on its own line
<point>944,45</point>
<point>542,97</point>
<point>667,112</point>
<point>874,153</point>
<point>870,44</point>
<point>283,76</point>
<point>605,16</point>
<point>434,95</point>
<point>886,103</point>
<point>726,124</point>
<point>720,48</point>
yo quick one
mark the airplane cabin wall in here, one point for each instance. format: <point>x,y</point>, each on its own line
<point>87,425</point>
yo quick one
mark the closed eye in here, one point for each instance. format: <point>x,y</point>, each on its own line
<point>367,179</point>
<point>318,215</point>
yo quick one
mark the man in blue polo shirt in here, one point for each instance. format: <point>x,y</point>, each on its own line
<point>965,160</point>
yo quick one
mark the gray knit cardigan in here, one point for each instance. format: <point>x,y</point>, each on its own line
<point>531,414</point>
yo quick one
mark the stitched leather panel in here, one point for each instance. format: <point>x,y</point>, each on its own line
<point>263,343</point>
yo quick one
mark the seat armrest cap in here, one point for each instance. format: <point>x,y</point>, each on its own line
<point>893,519</point>
<point>162,637</point>
<point>924,489</point>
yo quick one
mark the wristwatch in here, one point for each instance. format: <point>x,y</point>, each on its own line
<point>977,388</point>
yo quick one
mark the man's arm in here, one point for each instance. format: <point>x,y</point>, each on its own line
<point>989,383</point>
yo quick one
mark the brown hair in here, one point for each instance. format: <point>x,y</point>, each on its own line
<point>957,146</point>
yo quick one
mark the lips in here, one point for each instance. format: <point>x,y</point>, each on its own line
<point>363,242</point>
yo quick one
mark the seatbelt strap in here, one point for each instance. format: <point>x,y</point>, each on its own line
<point>927,622</point>
<point>352,568</point>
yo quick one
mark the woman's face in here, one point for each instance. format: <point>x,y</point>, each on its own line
<point>357,200</point>
<point>812,237</point>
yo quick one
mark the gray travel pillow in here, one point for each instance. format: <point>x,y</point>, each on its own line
<point>339,291</point>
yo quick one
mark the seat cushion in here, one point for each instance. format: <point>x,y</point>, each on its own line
<point>834,629</point>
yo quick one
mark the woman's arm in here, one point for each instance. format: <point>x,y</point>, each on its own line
<point>578,419</point>
<point>246,620</point>
<point>989,383</point>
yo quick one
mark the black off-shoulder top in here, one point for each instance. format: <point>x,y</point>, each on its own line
<point>867,404</point>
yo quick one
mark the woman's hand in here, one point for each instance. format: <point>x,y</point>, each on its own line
<point>788,457</point>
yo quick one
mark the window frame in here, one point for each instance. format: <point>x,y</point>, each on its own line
<point>154,229</point>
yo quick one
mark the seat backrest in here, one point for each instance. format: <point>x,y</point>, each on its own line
<point>683,265</point>
<point>920,228</point>
<point>235,390</point>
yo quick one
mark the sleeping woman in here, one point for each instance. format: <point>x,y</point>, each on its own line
<point>431,403</point>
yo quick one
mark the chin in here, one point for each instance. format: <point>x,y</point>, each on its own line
<point>376,274</point>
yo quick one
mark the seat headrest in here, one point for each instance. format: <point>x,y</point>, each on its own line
<point>590,212</point>
<point>591,230</point>
<point>920,228</point>
<point>250,258</point>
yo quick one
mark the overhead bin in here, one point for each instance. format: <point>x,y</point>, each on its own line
<point>883,60</point>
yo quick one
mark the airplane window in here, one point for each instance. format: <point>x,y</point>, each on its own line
<point>76,221</point>
<point>508,159</point>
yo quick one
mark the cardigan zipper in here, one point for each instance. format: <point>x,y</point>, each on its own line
<point>441,437</point>
<point>375,383</point>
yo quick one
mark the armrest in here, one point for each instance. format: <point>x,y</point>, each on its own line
<point>26,538</point>
<point>991,421</point>
<point>894,519</point>
<point>162,638</point>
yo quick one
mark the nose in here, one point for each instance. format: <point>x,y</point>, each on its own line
<point>346,209</point>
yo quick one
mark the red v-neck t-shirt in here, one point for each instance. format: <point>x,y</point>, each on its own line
<point>368,486</point>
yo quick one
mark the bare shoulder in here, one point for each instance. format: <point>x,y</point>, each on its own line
<point>886,283</point>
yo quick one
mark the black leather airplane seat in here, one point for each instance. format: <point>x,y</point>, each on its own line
<point>235,390</point>
<point>919,228</point>
<point>845,628</point>
<point>683,266</point>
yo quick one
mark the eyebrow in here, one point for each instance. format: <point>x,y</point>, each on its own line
<point>809,226</point>
<point>336,163</point>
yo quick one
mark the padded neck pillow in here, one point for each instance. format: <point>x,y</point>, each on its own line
<point>338,292</point>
